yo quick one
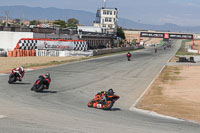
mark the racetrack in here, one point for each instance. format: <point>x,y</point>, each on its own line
<point>64,107</point>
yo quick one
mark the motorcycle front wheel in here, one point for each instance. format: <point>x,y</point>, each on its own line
<point>108,105</point>
<point>12,79</point>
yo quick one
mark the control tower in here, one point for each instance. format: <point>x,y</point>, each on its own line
<point>106,18</point>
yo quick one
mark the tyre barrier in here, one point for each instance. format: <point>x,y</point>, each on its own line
<point>21,53</point>
<point>185,59</point>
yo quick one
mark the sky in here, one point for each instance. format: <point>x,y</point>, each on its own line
<point>157,12</point>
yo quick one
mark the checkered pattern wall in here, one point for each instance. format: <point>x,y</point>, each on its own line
<point>82,46</point>
<point>28,44</point>
<point>41,44</point>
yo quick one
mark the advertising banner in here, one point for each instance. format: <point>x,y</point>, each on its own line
<point>166,35</point>
<point>32,43</point>
<point>154,35</point>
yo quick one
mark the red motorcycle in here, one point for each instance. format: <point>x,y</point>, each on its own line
<point>41,84</point>
<point>129,56</point>
<point>106,104</point>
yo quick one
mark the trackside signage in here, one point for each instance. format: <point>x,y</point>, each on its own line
<point>154,35</point>
<point>166,35</point>
<point>181,36</point>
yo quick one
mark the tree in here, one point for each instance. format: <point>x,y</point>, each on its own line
<point>72,22</point>
<point>134,41</point>
<point>34,22</point>
<point>120,33</point>
<point>60,22</point>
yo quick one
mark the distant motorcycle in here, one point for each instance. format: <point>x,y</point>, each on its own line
<point>106,104</point>
<point>156,50</point>
<point>129,56</point>
<point>40,84</point>
<point>164,47</point>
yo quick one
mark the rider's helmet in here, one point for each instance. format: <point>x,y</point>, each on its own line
<point>110,92</point>
<point>47,75</point>
<point>128,54</point>
<point>22,69</point>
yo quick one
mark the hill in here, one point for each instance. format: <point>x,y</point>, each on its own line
<point>86,18</point>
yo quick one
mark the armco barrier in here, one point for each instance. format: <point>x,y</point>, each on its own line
<point>44,52</point>
<point>75,53</point>
<point>113,50</point>
<point>193,51</point>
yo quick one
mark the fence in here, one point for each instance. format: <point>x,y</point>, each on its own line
<point>114,50</point>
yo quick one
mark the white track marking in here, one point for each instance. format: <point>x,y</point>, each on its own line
<point>3,74</point>
<point>2,116</point>
<point>29,70</point>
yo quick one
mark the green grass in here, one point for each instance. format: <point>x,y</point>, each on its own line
<point>185,53</point>
<point>162,43</point>
<point>170,74</point>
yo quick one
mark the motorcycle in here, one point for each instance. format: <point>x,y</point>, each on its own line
<point>39,85</point>
<point>129,56</point>
<point>107,104</point>
<point>156,50</point>
<point>13,77</point>
<point>164,47</point>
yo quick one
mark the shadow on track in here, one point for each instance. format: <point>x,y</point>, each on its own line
<point>21,83</point>
<point>115,109</point>
<point>47,92</point>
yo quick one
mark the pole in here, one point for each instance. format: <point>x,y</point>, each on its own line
<point>139,39</point>
<point>193,42</point>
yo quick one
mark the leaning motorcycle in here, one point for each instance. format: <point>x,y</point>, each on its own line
<point>106,104</point>
<point>13,77</point>
<point>39,84</point>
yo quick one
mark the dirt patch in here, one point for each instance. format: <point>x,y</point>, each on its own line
<point>174,59</point>
<point>175,93</point>
<point>8,63</point>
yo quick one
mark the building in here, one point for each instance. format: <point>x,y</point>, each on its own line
<point>106,18</point>
<point>89,29</point>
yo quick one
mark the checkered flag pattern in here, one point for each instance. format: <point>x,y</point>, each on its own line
<point>28,44</point>
<point>82,46</point>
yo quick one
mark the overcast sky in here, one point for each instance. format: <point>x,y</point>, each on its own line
<point>181,12</point>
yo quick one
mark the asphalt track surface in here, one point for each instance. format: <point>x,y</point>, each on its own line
<point>63,108</point>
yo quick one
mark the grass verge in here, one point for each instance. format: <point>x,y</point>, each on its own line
<point>154,96</point>
<point>182,51</point>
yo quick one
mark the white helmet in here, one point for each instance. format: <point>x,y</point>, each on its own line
<point>22,69</point>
